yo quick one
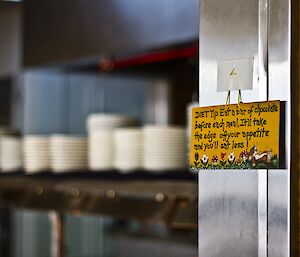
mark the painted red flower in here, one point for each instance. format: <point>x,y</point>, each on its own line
<point>244,155</point>
<point>214,159</point>
<point>223,156</point>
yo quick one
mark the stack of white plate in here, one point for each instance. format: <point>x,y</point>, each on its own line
<point>11,153</point>
<point>100,153</point>
<point>4,131</point>
<point>164,148</point>
<point>68,153</point>
<point>100,136</point>
<point>100,121</point>
<point>36,153</point>
<point>128,149</point>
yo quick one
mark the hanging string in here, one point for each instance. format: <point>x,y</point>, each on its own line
<point>231,74</point>
<point>228,98</point>
<point>240,97</point>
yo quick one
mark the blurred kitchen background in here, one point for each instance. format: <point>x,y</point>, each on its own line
<point>61,61</point>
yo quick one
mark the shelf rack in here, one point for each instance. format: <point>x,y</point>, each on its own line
<point>166,197</point>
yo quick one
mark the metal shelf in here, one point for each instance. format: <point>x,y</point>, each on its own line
<point>167,197</point>
<point>182,175</point>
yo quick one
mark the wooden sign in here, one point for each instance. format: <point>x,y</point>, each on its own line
<point>235,136</point>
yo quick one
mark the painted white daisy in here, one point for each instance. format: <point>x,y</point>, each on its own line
<point>231,157</point>
<point>204,159</point>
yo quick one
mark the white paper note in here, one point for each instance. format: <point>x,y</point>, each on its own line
<point>235,74</point>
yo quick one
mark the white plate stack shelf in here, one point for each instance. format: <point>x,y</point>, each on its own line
<point>164,148</point>
<point>11,153</point>
<point>101,138</point>
<point>68,153</point>
<point>128,152</point>
<point>36,153</point>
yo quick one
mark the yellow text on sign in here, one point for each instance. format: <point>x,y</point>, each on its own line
<point>237,136</point>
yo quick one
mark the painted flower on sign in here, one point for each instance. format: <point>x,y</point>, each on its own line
<point>223,156</point>
<point>214,159</point>
<point>196,162</point>
<point>223,160</point>
<point>204,159</point>
<point>231,158</point>
<point>244,155</point>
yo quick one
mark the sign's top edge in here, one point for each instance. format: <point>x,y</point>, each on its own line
<point>211,106</point>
